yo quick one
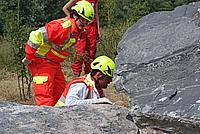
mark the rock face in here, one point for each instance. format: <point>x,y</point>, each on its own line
<point>90,119</point>
<point>158,64</point>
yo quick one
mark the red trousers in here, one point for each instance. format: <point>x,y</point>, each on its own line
<point>48,81</point>
<point>85,49</point>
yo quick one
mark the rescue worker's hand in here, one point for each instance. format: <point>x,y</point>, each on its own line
<point>26,62</point>
<point>103,101</point>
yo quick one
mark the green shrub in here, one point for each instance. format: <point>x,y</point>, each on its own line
<point>109,41</point>
<point>6,57</point>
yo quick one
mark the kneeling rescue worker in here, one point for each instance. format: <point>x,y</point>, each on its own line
<point>47,47</point>
<point>87,89</point>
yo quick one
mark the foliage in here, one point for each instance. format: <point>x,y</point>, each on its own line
<point>17,34</point>
<point>166,5</point>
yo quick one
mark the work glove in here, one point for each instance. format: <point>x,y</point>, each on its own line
<point>26,62</point>
<point>103,101</point>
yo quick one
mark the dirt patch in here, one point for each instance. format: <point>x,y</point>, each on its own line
<point>9,90</point>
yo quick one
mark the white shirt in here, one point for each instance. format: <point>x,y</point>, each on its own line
<point>78,93</point>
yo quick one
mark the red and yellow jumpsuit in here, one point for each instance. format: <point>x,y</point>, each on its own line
<point>46,48</point>
<point>86,46</point>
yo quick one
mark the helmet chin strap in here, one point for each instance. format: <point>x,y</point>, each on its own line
<point>77,18</point>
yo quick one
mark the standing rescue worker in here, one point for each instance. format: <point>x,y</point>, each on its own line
<point>47,47</point>
<point>86,44</point>
<point>87,89</point>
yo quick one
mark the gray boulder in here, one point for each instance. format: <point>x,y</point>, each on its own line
<point>88,119</point>
<point>158,65</point>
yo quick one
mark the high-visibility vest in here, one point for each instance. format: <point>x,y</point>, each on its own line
<point>84,79</point>
<point>50,43</point>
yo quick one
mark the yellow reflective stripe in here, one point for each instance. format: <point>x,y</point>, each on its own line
<point>60,103</point>
<point>66,24</point>
<point>40,79</point>
<point>58,55</point>
<point>30,43</point>
<point>36,37</point>
<point>43,49</point>
<point>89,81</point>
<point>44,34</point>
<point>69,43</point>
<point>73,40</point>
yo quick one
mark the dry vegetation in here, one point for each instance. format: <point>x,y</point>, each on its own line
<point>9,90</point>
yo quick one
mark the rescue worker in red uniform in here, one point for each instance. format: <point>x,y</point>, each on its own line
<point>87,89</point>
<point>86,44</point>
<point>47,47</point>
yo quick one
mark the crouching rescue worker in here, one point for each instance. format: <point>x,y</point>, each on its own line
<point>47,47</point>
<point>87,89</point>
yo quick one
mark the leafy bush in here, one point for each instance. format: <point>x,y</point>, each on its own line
<point>6,59</point>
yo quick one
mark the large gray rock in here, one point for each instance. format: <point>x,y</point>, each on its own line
<point>88,119</point>
<point>158,65</point>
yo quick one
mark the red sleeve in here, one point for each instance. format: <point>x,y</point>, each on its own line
<point>56,33</point>
<point>30,52</point>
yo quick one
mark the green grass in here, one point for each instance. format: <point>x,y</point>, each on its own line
<point>6,57</point>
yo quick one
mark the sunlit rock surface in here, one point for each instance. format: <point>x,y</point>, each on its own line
<point>158,65</point>
<point>88,119</point>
